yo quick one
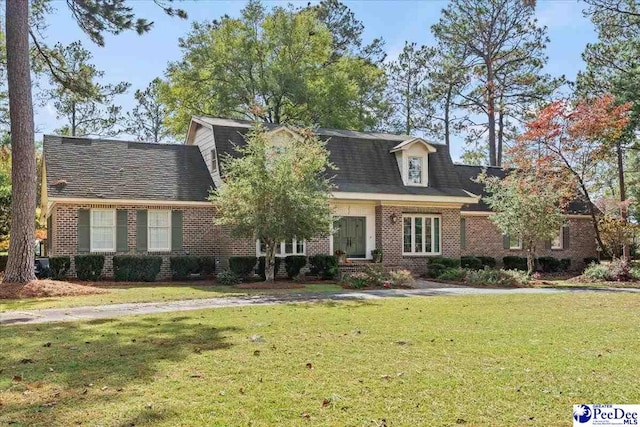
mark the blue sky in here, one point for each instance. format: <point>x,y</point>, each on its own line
<point>138,59</point>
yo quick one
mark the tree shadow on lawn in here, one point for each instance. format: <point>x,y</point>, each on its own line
<point>58,367</point>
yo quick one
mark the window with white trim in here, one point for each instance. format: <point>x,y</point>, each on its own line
<point>285,248</point>
<point>214,161</point>
<point>415,170</point>
<point>159,230</point>
<point>515,242</point>
<point>421,235</point>
<point>103,230</point>
<point>556,243</point>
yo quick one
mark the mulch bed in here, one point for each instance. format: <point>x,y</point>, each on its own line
<point>268,285</point>
<point>46,288</point>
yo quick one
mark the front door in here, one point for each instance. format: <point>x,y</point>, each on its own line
<point>350,236</point>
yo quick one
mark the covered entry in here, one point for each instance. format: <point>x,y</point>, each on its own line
<point>350,236</point>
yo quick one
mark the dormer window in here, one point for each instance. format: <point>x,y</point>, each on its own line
<point>413,161</point>
<point>415,170</point>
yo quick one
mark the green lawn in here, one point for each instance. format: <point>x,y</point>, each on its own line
<point>435,361</point>
<point>148,293</point>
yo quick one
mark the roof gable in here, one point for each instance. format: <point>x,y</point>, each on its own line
<point>405,145</point>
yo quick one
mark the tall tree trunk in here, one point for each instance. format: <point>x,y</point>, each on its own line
<point>447,108</point>
<point>626,250</point>
<point>269,261</point>
<point>491,114</point>
<point>73,119</point>
<point>500,135</point>
<point>23,163</point>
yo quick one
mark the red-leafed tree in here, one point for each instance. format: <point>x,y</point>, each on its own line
<point>566,142</point>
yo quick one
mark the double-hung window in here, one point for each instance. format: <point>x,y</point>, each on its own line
<point>159,230</point>
<point>285,248</point>
<point>556,243</point>
<point>103,230</point>
<point>421,235</point>
<point>515,242</point>
<point>414,171</point>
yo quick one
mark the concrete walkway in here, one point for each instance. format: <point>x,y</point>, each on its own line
<point>116,310</point>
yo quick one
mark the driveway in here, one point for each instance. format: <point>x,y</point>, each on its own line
<point>424,288</point>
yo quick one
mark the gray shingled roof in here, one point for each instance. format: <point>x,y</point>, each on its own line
<point>109,169</point>
<point>468,173</point>
<point>364,161</point>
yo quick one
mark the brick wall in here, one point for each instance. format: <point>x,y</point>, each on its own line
<point>484,238</point>
<point>199,233</point>
<point>389,235</point>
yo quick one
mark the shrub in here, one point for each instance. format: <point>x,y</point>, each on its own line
<point>136,268</point>
<point>435,270</point>
<point>207,265</point>
<point>401,278</point>
<point>325,266</point>
<point>471,262</point>
<point>356,280</point>
<point>514,263</point>
<point>447,262</point>
<point>242,266</point>
<point>635,272</point>
<point>489,277</point>
<point>549,264</point>
<point>619,270</point>
<point>590,260</point>
<point>227,278</point>
<point>183,267</point>
<point>454,274</point>
<point>565,264</point>
<point>596,272</point>
<point>293,264</point>
<point>375,274</point>
<point>89,267</point>
<point>261,267</point>
<point>487,261</point>
<point>59,266</point>
<point>3,262</point>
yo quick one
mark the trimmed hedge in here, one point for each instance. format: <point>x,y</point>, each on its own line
<point>261,267</point>
<point>325,266</point>
<point>89,267</point>
<point>471,263</point>
<point>136,268</point>
<point>514,263</point>
<point>293,264</point>
<point>440,260</point>
<point>436,270</point>
<point>549,264</point>
<point>242,265</point>
<point>3,262</point>
<point>59,266</point>
<point>487,261</point>
<point>183,267</point>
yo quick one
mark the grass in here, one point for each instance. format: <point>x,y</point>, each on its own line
<point>148,293</point>
<point>480,360</point>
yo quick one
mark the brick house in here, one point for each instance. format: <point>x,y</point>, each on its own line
<point>395,192</point>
